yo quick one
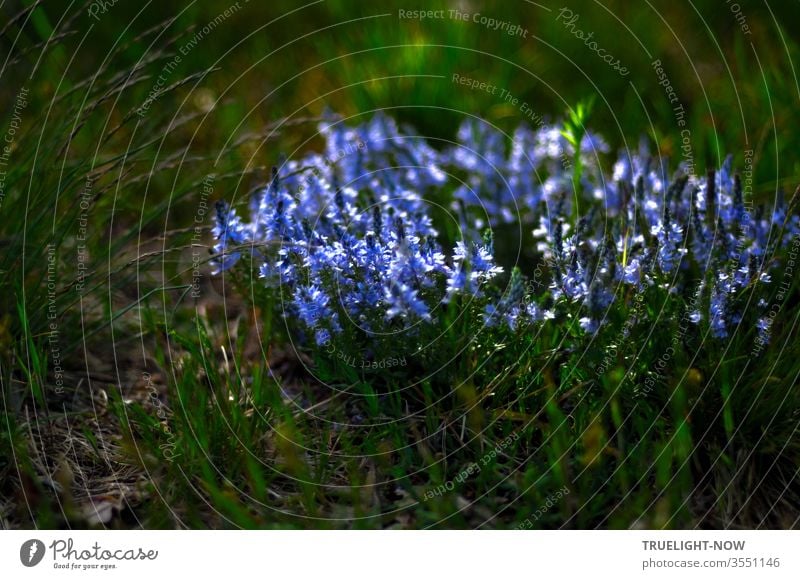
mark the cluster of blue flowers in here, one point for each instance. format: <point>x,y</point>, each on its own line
<point>350,231</point>
<point>639,227</point>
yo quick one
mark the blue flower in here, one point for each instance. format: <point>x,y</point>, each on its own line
<point>472,267</point>
<point>229,231</point>
<point>764,325</point>
<point>349,234</point>
<point>403,301</point>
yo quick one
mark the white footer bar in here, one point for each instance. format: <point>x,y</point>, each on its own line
<point>402,554</point>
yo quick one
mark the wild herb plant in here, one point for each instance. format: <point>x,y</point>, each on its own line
<point>348,238</point>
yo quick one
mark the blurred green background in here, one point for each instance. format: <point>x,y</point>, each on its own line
<point>730,64</point>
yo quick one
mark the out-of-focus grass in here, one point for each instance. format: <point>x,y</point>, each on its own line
<point>229,450</point>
